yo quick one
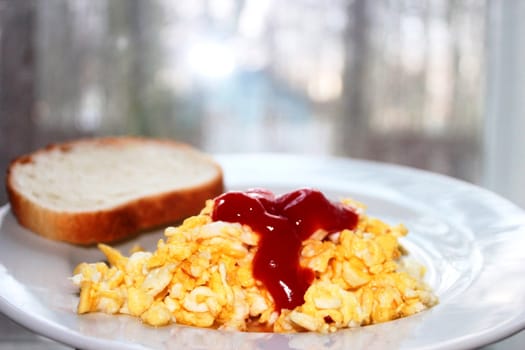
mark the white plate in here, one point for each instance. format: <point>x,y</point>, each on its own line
<point>471,241</point>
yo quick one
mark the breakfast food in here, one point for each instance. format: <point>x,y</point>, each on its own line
<point>106,189</point>
<point>258,261</point>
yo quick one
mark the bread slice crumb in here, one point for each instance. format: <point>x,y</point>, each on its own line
<point>106,189</point>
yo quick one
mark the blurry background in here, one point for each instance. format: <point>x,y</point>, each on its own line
<point>399,81</point>
<point>432,84</point>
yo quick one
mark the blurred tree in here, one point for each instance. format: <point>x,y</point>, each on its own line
<point>17,71</point>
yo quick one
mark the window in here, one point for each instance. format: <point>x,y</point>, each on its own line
<point>397,81</point>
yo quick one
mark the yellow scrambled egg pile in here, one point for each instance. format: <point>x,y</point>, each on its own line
<point>201,275</point>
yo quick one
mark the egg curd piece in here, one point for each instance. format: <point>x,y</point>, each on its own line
<point>201,274</point>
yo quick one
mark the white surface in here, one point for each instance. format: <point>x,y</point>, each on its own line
<point>504,144</point>
<point>470,239</point>
<point>95,175</point>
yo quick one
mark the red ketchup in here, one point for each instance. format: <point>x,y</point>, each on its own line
<point>282,223</point>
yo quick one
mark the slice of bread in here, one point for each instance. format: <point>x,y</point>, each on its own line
<point>107,189</point>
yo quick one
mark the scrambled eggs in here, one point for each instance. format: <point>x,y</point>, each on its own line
<point>201,275</point>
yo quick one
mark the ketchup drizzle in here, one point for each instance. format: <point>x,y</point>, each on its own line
<point>283,223</point>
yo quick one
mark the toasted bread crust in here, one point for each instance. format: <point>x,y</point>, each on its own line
<point>118,222</point>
